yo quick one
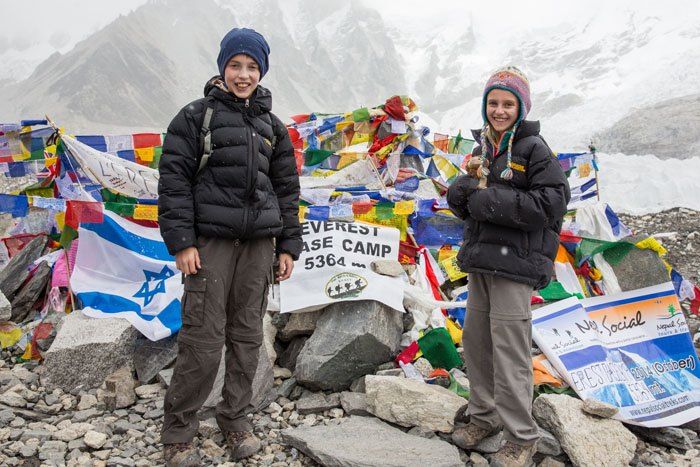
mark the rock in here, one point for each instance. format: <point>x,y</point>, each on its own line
<point>150,357</point>
<point>211,449</point>
<point>640,268</point>
<point>280,372</point>
<point>288,358</point>
<point>317,402</point>
<point>586,440</point>
<point>388,267</point>
<point>164,376</point>
<point>16,271</point>
<point>354,403</point>
<point>269,334</point>
<point>422,432</point>
<point>491,444</point>
<point>285,389</point>
<point>672,437</point>
<point>550,462</point>
<point>478,460</point>
<point>548,444</point>
<point>95,439</point>
<point>350,340</point>
<point>358,385</point>
<point>599,408</point>
<point>26,298</point>
<point>5,308</point>
<point>87,401</point>
<point>692,425</point>
<point>396,372</point>
<point>366,441</point>
<point>87,350</point>
<point>6,416</point>
<point>410,403</point>
<point>263,383</point>
<point>120,389</point>
<point>300,324</point>
<point>12,399</point>
<point>148,391</point>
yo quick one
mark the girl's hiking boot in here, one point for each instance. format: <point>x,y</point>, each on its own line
<point>242,444</point>
<point>181,455</point>
<point>467,437</point>
<point>514,455</point>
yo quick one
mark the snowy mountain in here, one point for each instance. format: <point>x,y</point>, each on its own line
<point>595,75</point>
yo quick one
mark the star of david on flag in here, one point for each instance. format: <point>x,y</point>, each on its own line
<point>124,270</point>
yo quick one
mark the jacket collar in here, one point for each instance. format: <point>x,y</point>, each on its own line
<point>259,103</point>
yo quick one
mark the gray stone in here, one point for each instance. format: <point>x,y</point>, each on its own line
<point>548,444</point>
<point>397,372</point>
<point>317,402</point>
<point>585,439</point>
<point>409,403</point>
<point>599,408</point>
<point>12,399</point>
<point>300,324</point>
<point>491,444</point>
<point>87,350</point>
<point>422,432</point>
<point>288,358</point>
<point>120,389</point>
<point>358,385</point>
<point>41,435</point>
<point>5,308</point>
<point>84,415</point>
<point>285,389</point>
<point>550,462</point>
<point>6,416</point>
<point>354,403</point>
<point>95,439</point>
<point>478,460</point>
<point>16,272</point>
<point>640,268</point>
<point>350,340</point>
<point>366,441</point>
<point>150,357</point>
<point>672,437</point>
<point>25,299</point>
<point>263,383</point>
<point>165,376</point>
<point>692,425</point>
<point>388,267</point>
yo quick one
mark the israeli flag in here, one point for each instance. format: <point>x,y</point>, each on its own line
<point>124,270</point>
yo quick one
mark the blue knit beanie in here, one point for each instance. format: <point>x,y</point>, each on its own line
<point>244,41</point>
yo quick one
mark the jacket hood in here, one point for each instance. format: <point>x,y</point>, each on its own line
<point>259,103</point>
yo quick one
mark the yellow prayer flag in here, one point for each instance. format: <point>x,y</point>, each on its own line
<point>50,161</point>
<point>452,268</point>
<point>358,138</point>
<point>584,170</point>
<point>60,220</point>
<point>404,208</point>
<point>145,154</point>
<point>146,212</point>
<point>653,244</point>
<point>302,213</point>
<point>454,330</point>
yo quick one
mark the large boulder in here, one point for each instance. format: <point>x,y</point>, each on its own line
<point>587,440</point>
<point>300,324</point>
<point>639,269</point>
<point>263,382</point>
<point>26,298</point>
<point>351,339</point>
<point>87,350</point>
<point>17,270</point>
<point>366,441</point>
<point>409,402</point>
<point>288,358</point>
<point>150,357</point>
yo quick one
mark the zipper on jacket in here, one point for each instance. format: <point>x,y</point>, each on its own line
<point>249,175</point>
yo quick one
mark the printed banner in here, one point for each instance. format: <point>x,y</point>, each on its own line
<point>124,177</point>
<point>632,350</point>
<point>335,265</point>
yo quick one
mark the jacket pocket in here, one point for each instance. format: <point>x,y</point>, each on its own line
<point>194,299</point>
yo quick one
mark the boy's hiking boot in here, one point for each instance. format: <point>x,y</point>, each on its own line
<point>181,455</point>
<point>514,455</point>
<point>467,437</point>
<point>242,444</point>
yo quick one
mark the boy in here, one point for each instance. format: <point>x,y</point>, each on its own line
<point>228,188</point>
<point>511,235</point>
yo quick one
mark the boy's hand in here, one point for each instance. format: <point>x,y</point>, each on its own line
<point>285,268</point>
<point>187,260</point>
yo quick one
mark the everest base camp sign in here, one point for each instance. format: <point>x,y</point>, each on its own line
<point>632,350</point>
<point>335,265</point>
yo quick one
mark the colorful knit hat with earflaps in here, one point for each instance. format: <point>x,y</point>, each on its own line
<point>510,79</point>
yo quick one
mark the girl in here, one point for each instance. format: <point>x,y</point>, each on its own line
<point>511,235</point>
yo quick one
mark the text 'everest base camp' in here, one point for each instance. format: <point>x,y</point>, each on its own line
<point>456,297</point>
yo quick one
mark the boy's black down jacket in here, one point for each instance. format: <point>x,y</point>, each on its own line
<point>512,227</point>
<point>247,190</point>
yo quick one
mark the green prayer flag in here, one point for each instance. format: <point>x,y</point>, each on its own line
<point>124,210</point>
<point>385,211</point>
<point>67,236</point>
<point>316,156</point>
<point>360,115</point>
<point>439,350</point>
<point>555,291</point>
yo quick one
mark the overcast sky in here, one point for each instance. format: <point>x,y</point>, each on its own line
<point>43,26</point>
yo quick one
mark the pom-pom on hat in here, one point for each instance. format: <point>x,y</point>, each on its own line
<point>510,79</point>
<point>244,41</point>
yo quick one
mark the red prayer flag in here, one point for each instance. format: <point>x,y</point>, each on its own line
<point>146,140</point>
<point>394,107</point>
<point>88,212</point>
